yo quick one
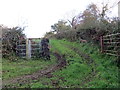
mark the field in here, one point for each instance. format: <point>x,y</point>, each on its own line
<point>72,65</point>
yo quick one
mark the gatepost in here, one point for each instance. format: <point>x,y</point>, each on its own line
<point>28,48</point>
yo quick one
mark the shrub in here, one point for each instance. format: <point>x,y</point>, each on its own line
<point>10,37</point>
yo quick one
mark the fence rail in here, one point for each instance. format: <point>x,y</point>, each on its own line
<point>27,48</point>
<point>110,44</point>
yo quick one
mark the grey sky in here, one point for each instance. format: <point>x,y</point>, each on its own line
<point>39,15</point>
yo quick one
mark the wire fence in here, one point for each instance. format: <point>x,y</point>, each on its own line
<point>110,44</point>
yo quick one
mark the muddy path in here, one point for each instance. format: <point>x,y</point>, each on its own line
<point>61,62</point>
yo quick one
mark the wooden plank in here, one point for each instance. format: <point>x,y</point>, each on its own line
<point>112,39</point>
<point>112,35</point>
<point>111,42</point>
<point>113,46</point>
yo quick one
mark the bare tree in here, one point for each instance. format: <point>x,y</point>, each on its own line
<point>70,17</point>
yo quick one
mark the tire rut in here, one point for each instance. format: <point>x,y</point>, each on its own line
<point>61,62</point>
<point>89,61</point>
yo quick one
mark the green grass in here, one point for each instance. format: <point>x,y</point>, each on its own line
<point>40,83</point>
<point>22,67</point>
<point>77,68</point>
<point>107,75</point>
<point>76,71</point>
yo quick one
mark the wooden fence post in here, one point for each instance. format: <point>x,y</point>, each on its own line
<point>101,44</point>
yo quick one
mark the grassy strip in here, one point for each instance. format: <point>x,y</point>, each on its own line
<point>107,76</point>
<point>22,67</point>
<point>75,71</point>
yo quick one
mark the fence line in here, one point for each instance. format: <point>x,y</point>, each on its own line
<point>110,44</point>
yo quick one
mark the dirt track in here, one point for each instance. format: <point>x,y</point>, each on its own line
<point>89,61</point>
<point>61,62</point>
<point>47,72</point>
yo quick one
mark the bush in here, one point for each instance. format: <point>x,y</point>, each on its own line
<point>10,37</point>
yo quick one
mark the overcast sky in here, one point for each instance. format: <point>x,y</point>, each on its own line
<point>39,15</point>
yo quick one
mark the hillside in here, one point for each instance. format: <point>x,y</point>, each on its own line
<point>72,65</point>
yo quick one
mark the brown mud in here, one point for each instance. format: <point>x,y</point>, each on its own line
<point>61,62</point>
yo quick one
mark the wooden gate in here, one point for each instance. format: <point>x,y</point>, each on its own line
<point>110,44</point>
<point>28,48</point>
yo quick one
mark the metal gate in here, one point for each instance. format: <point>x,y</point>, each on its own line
<point>28,48</point>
